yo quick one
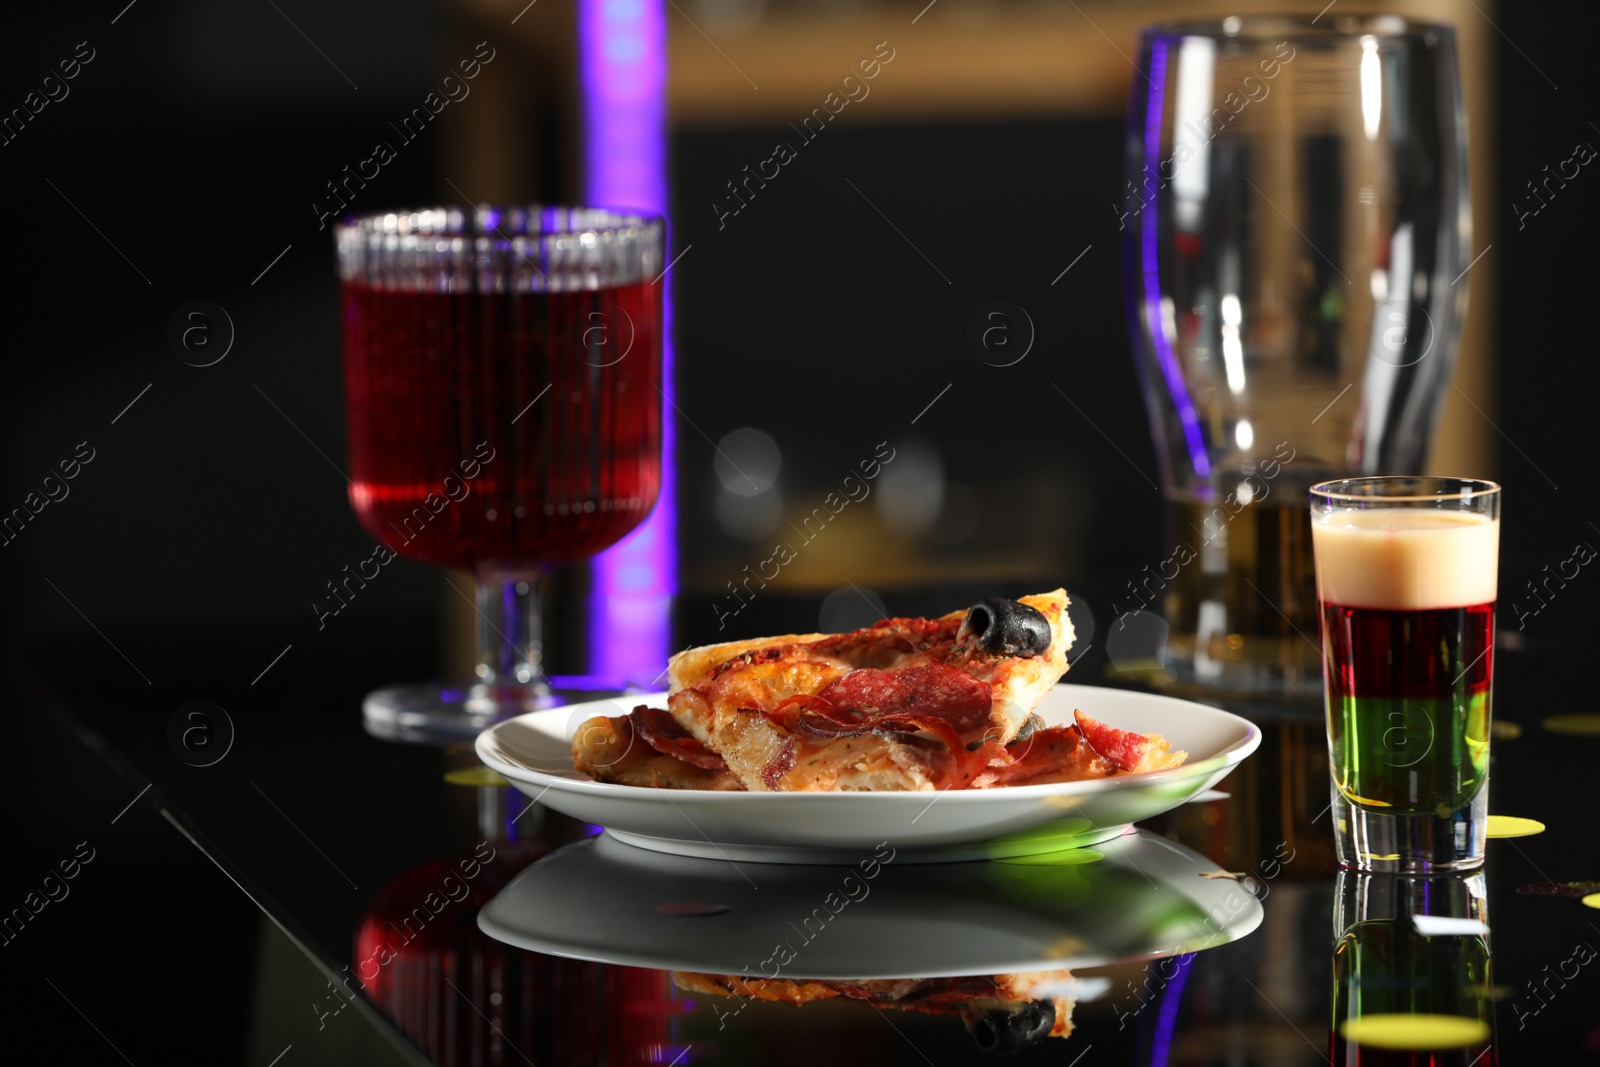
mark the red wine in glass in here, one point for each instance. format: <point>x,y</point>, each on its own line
<point>441,472</point>
<point>503,388</point>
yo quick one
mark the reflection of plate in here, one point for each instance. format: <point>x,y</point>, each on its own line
<point>603,900</point>
<point>534,752</point>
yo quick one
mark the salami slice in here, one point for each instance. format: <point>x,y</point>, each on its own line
<point>1122,748</point>
<point>935,689</point>
<point>664,734</point>
<point>815,715</point>
<point>820,719</point>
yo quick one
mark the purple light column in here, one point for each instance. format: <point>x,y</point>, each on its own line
<point>622,48</point>
<point>1150,264</point>
<point>1167,1017</point>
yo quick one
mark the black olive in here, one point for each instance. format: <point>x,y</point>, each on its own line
<point>1006,627</point>
<point>1003,1032</point>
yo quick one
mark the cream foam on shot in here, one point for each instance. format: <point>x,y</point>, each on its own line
<point>1406,559</point>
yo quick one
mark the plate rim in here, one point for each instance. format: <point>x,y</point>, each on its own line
<point>1232,755</point>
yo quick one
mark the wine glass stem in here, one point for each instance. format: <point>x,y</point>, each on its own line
<point>509,668</point>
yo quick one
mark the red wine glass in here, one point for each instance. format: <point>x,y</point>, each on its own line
<point>503,391</point>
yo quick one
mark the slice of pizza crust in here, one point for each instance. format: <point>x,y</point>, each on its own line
<point>1017,689</point>
<point>693,665</point>
<point>905,704</point>
<point>718,694</point>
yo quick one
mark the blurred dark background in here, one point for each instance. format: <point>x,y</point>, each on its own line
<point>820,321</point>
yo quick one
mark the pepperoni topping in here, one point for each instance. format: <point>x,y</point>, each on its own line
<point>935,690</point>
<point>667,736</point>
<point>782,765</point>
<point>911,723</point>
<point>808,713</point>
<point>884,643</point>
<point>925,631</point>
<point>815,717</point>
<point>1119,746</point>
<point>1043,738</point>
<point>1046,751</point>
<point>933,705</point>
<point>770,654</point>
<point>819,719</point>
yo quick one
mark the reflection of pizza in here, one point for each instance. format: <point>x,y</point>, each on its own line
<point>905,704</point>
<point>1004,1013</point>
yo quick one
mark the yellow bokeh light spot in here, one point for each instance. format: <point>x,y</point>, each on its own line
<point>1511,826</point>
<point>1585,725</point>
<point>475,776</point>
<point>1396,1031</point>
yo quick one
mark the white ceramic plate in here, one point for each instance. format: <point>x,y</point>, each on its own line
<point>534,752</point>
<point>1139,896</point>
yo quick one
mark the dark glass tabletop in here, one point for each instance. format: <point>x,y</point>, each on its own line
<point>1219,933</point>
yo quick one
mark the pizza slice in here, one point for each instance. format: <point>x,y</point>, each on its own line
<point>904,704</point>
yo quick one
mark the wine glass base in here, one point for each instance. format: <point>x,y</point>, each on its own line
<point>441,714</point>
<point>435,714</point>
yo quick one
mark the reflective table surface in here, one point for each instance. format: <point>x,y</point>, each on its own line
<point>472,926</point>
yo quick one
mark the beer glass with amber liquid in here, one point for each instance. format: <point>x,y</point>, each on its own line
<point>1406,581</point>
<point>1296,233</point>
